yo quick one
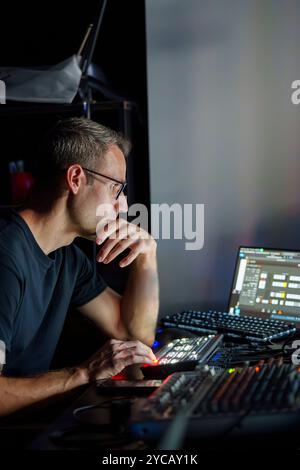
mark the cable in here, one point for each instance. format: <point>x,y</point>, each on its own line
<point>89,433</point>
<point>82,409</point>
<point>292,338</point>
<point>175,434</point>
<point>245,353</point>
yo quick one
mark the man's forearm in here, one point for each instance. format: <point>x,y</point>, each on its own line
<point>140,302</point>
<point>17,393</point>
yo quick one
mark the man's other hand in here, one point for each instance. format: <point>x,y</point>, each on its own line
<point>119,235</point>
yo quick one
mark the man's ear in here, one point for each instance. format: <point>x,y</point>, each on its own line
<point>75,177</point>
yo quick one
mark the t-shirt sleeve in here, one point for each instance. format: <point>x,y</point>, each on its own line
<point>10,295</point>
<point>89,282</point>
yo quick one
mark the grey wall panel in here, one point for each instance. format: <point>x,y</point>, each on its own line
<point>223,132</point>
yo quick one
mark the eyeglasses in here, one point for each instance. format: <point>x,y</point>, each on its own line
<point>122,184</point>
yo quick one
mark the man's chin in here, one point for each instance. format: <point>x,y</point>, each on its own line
<point>103,223</point>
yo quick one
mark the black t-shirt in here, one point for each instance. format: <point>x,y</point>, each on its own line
<point>36,291</point>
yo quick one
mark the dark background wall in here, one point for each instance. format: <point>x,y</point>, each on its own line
<point>36,34</point>
<point>39,33</point>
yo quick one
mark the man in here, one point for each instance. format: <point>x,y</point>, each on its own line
<point>42,273</point>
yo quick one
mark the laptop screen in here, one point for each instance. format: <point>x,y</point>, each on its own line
<point>266,284</point>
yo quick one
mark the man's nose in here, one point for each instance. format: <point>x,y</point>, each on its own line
<point>122,205</point>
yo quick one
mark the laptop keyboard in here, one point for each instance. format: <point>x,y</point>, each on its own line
<point>213,322</point>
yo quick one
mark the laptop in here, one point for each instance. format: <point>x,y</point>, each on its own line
<point>264,302</point>
<point>266,284</point>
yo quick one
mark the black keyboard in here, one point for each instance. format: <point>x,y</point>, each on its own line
<point>212,322</point>
<point>262,398</point>
<point>182,354</point>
